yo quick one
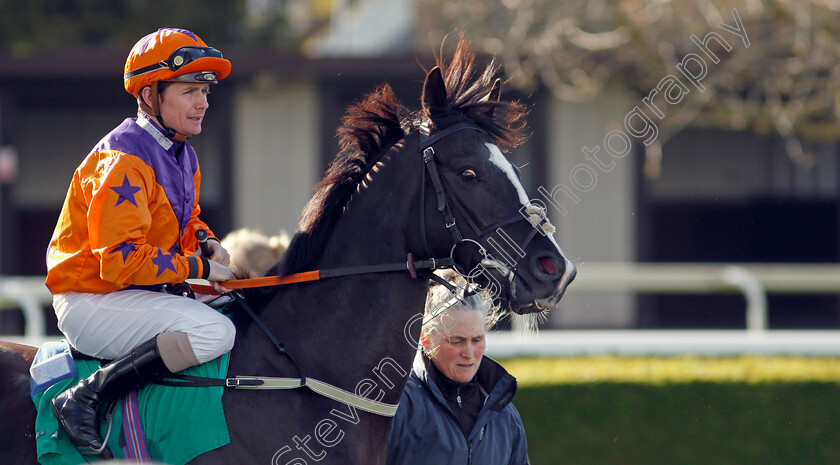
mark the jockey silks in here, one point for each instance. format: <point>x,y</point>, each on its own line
<point>130,214</point>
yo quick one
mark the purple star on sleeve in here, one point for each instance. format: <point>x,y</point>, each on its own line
<point>126,248</point>
<point>164,262</point>
<point>126,192</point>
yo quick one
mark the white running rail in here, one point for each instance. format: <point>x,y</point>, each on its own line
<point>754,281</point>
<point>31,296</point>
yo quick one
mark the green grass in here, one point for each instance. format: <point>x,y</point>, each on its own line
<point>664,370</point>
<point>680,410</point>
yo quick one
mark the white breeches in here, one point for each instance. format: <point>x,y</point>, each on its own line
<point>110,325</point>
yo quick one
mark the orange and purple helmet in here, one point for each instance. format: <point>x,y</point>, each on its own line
<point>172,54</point>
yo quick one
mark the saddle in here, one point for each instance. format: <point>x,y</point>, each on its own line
<point>156,422</point>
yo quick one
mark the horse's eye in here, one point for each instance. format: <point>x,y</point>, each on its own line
<point>469,175</point>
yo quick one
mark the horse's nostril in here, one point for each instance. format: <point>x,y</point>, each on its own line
<point>547,265</point>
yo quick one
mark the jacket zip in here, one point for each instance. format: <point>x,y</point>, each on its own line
<point>470,445</point>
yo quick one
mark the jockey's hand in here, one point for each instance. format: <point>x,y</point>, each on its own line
<point>220,254</point>
<point>218,274</point>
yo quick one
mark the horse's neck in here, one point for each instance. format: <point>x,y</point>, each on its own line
<point>372,229</point>
<point>343,329</point>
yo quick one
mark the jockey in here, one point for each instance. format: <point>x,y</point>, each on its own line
<point>127,227</point>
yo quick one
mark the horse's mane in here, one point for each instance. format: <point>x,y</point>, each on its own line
<point>379,121</point>
<point>368,129</point>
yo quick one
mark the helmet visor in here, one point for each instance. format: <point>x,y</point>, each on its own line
<point>185,55</point>
<point>178,59</point>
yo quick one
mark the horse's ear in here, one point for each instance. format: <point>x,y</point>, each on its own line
<point>493,97</point>
<point>434,92</point>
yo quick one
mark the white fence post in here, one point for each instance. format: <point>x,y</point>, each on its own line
<point>20,290</point>
<point>754,294</point>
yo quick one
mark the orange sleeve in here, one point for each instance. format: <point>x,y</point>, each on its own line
<point>119,221</point>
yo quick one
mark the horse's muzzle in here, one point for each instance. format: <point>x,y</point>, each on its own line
<point>550,275</point>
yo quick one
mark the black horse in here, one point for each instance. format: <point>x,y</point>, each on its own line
<point>433,184</point>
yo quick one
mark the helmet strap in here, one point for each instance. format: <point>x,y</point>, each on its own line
<point>153,111</point>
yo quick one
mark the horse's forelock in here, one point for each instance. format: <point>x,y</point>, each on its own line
<point>467,94</point>
<point>376,123</point>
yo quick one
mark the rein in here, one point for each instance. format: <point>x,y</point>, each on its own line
<point>535,215</point>
<point>262,382</point>
<point>316,275</point>
<point>317,386</point>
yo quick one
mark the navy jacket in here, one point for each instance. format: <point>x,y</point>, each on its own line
<point>426,431</point>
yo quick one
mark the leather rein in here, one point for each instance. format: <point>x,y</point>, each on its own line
<point>416,268</point>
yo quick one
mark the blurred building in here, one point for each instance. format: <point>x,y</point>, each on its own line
<point>723,196</point>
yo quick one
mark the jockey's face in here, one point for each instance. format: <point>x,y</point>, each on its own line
<point>461,347</point>
<point>182,106</point>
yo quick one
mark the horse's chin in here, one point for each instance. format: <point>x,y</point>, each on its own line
<point>523,301</point>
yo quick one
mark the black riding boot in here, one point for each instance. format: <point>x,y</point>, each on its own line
<point>78,407</point>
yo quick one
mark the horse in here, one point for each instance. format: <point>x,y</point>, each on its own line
<point>424,190</point>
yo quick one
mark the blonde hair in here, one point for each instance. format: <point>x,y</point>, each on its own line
<point>252,253</point>
<point>443,306</point>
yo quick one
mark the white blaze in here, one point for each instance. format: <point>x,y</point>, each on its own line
<point>499,160</point>
<point>503,164</point>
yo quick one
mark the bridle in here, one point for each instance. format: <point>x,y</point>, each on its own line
<point>534,214</point>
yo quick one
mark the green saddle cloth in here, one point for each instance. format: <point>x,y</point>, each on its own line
<point>180,423</point>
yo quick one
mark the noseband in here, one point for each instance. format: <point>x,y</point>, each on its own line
<point>534,214</point>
